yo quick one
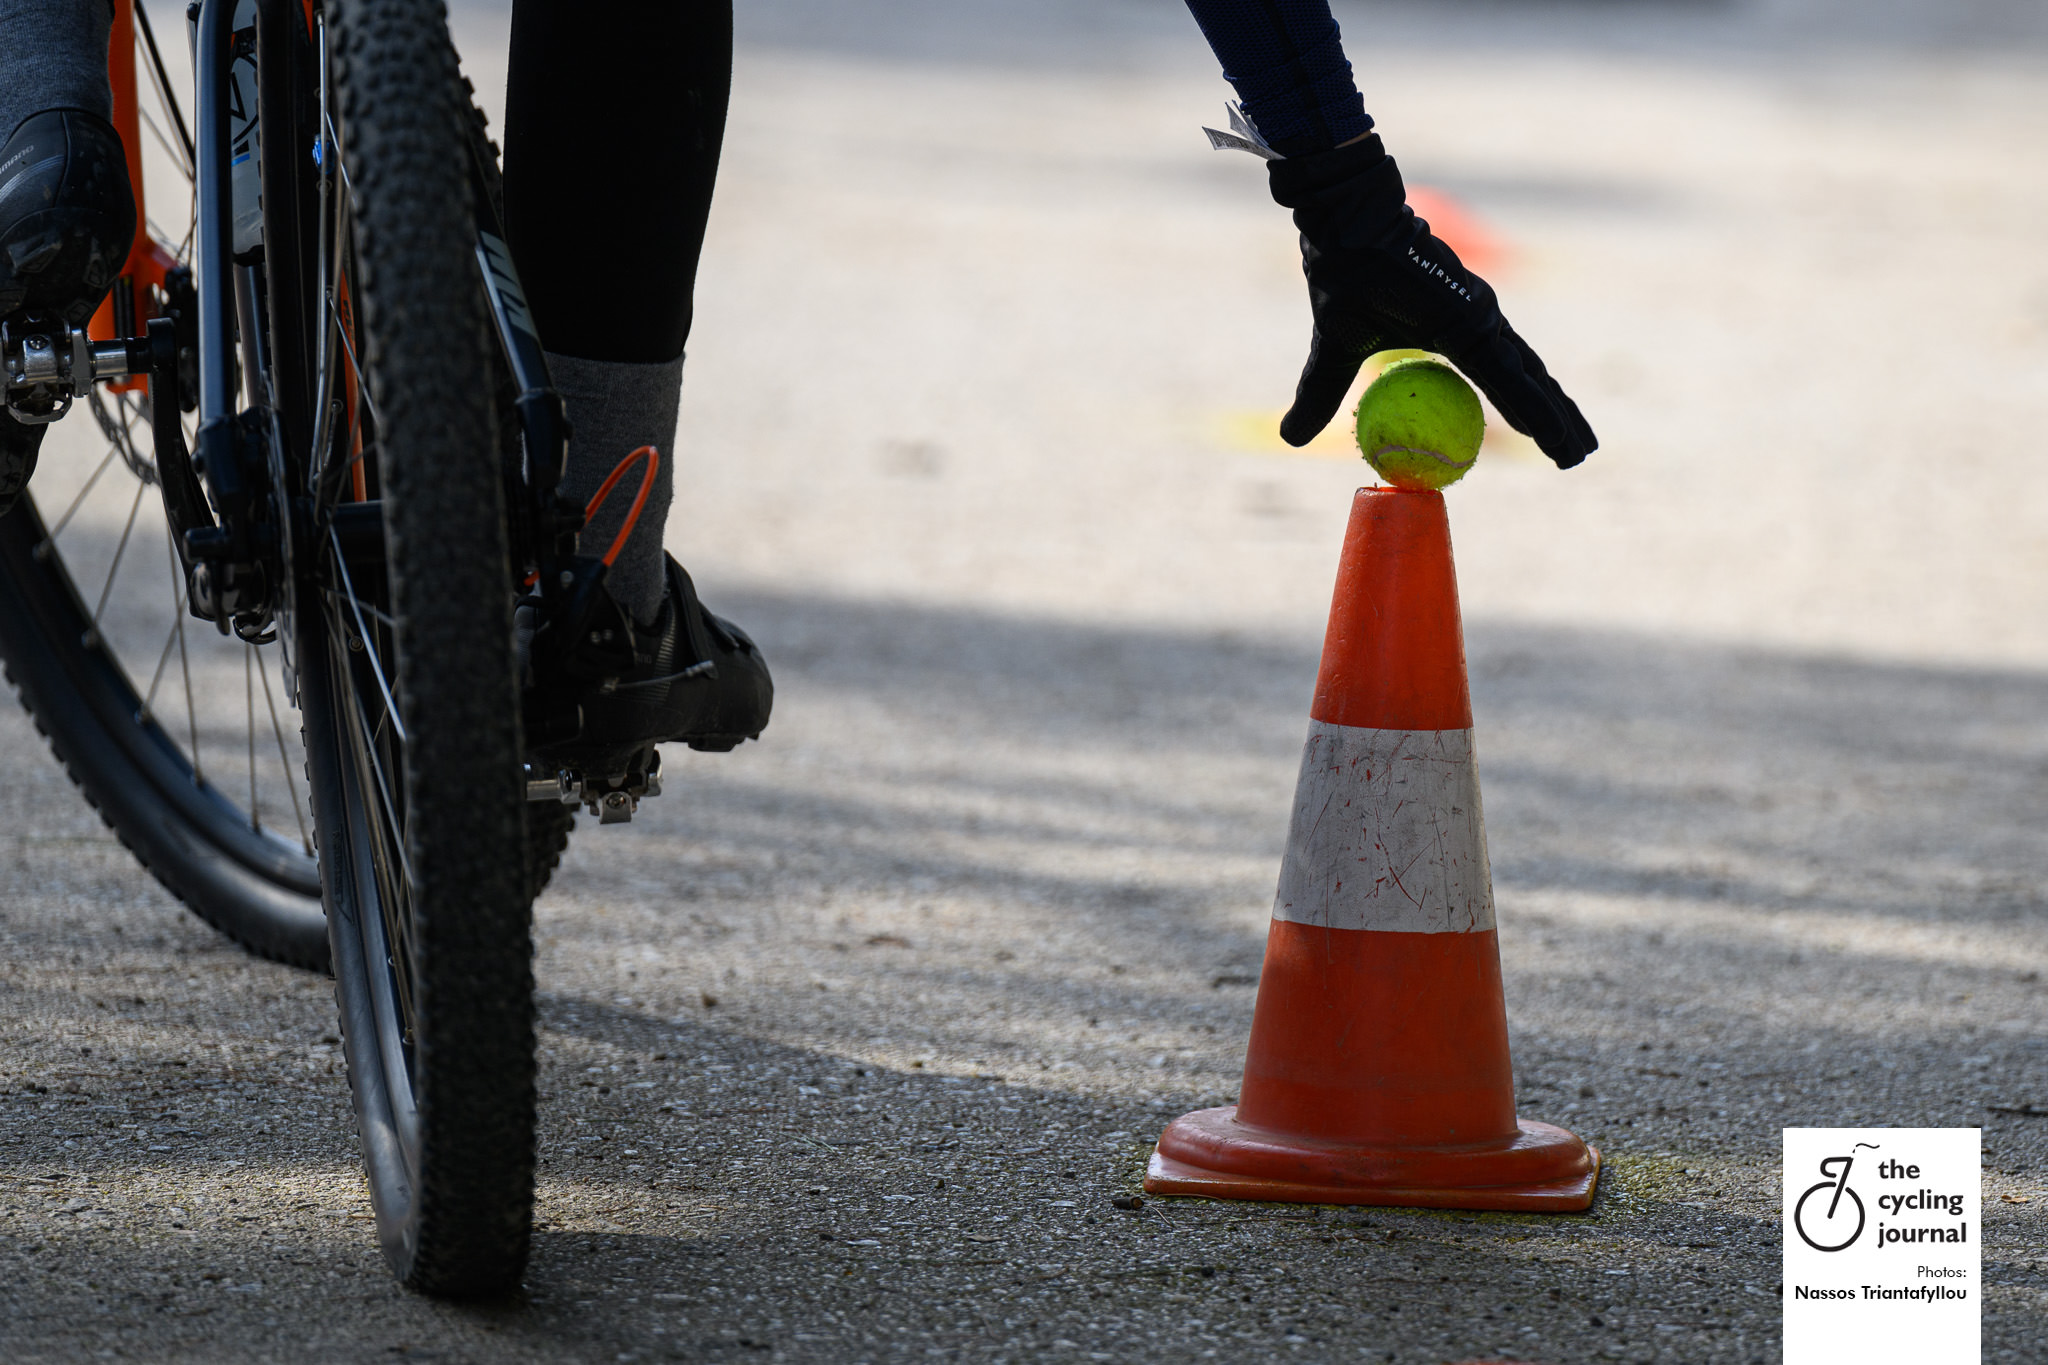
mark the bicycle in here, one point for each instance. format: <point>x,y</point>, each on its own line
<point>364,493</point>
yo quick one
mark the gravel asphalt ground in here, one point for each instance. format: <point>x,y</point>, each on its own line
<point>855,1040</point>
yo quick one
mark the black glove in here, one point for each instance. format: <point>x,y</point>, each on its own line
<point>1378,280</point>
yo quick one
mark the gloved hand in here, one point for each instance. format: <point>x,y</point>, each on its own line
<point>1378,280</point>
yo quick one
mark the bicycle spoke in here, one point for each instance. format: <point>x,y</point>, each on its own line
<point>175,633</point>
<point>79,500</point>
<point>185,666</point>
<point>332,207</point>
<point>120,549</point>
<point>291,787</point>
<point>249,712</point>
<point>369,747</point>
<point>163,661</point>
<point>164,142</point>
<point>395,912</point>
<point>323,407</point>
<point>387,853</point>
<point>172,636</point>
<point>383,617</point>
<point>328,482</point>
<point>155,67</point>
<point>340,166</point>
<point>394,899</point>
<point>362,390</point>
<point>369,646</point>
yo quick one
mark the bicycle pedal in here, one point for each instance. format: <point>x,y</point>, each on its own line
<point>43,370</point>
<point>613,800</point>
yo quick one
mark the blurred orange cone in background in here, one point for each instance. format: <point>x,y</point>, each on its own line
<point>1378,1069</point>
<point>1458,228</point>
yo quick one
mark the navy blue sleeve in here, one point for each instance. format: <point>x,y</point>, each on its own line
<point>1287,63</point>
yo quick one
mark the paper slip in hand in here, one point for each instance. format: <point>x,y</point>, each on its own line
<point>1244,135</point>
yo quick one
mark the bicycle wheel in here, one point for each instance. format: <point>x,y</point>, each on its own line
<point>175,734</point>
<point>403,621</point>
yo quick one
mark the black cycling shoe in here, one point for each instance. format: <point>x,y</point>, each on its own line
<point>67,215</point>
<point>67,220</point>
<point>696,679</point>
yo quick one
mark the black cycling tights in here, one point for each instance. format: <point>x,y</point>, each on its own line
<point>613,118</point>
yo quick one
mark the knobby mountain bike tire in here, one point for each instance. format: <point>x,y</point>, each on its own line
<point>176,735</point>
<point>403,619</point>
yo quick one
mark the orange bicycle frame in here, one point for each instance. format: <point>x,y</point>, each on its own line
<point>133,300</point>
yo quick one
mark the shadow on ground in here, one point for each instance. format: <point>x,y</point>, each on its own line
<point>850,1041</point>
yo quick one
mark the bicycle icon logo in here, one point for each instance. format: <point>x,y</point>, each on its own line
<point>1832,1229</point>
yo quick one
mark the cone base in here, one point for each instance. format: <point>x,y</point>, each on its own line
<point>1543,1169</point>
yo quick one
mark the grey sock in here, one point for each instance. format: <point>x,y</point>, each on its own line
<point>53,55</point>
<point>615,407</point>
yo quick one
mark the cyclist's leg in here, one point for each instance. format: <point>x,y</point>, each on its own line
<point>615,407</point>
<point>612,138</point>
<point>53,55</point>
<point>67,213</point>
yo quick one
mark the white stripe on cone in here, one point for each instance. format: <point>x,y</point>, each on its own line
<point>1387,834</point>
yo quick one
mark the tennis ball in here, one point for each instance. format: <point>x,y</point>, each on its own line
<point>1378,361</point>
<point>1419,424</point>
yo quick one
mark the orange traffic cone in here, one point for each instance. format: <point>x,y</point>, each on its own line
<point>1378,1070</point>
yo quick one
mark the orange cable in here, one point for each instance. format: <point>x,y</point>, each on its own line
<point>639,500</point>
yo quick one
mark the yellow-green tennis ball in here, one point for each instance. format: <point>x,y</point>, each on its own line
<point>1419,424</point>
